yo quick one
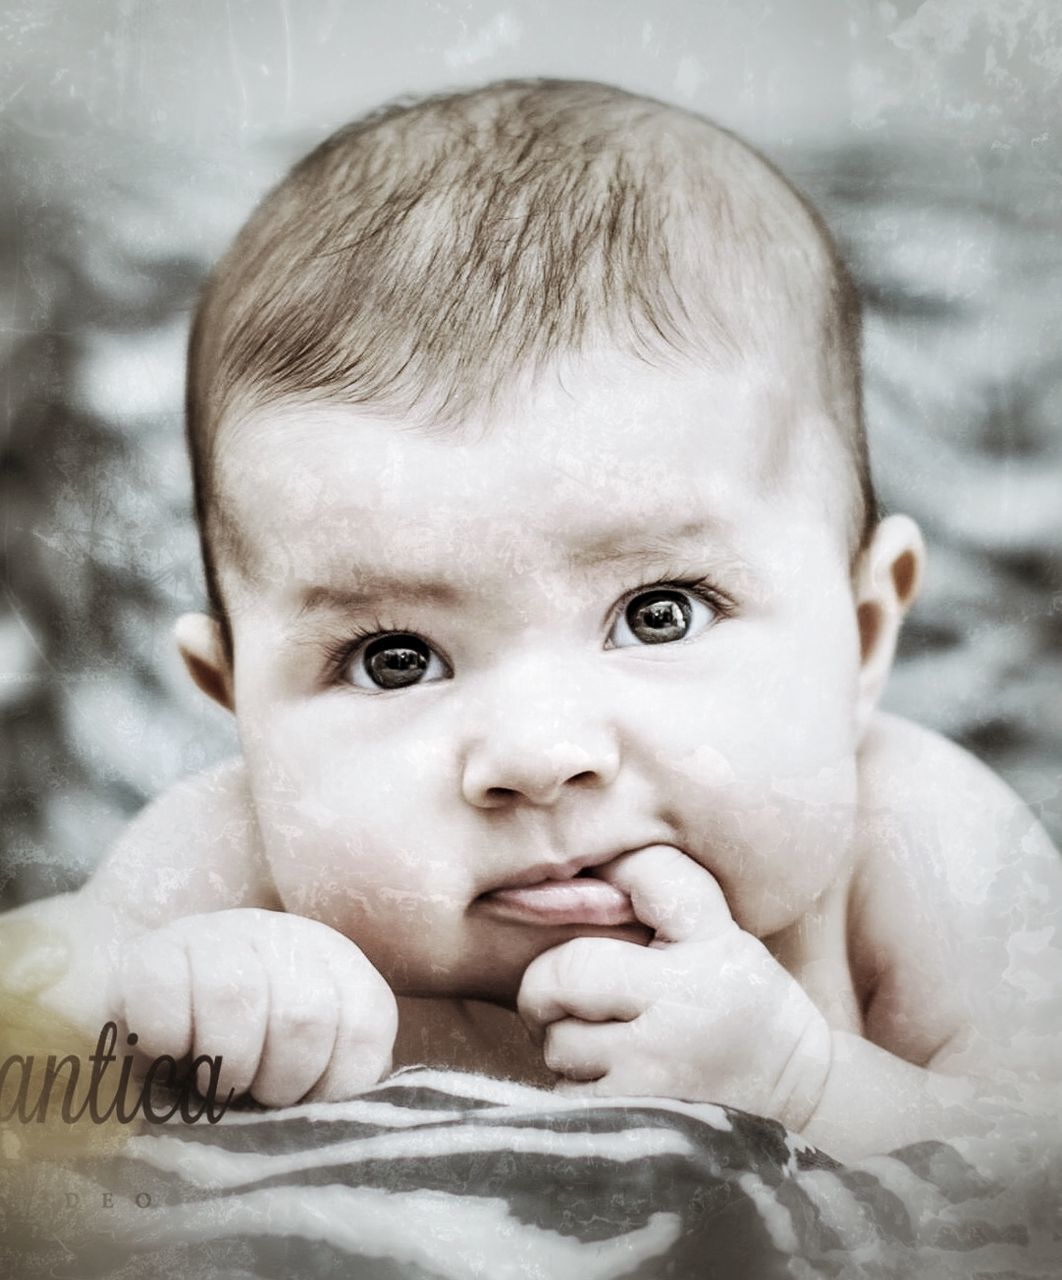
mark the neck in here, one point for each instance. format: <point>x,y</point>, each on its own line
<point>467,1035</point>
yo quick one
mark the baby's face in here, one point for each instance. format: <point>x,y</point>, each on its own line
<point>598,624</point>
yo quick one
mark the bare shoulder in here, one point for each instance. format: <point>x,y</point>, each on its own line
<point>195,848</point>
<point>954,872</point>
<point>918,777</point>
<point>969,826</point>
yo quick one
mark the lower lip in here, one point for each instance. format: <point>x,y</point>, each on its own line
<point>582,900</point>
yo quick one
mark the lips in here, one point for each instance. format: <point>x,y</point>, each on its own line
<point>577,900</point>
<point>562,893</point>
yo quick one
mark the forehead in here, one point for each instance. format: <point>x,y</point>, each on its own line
<point>601,454</point>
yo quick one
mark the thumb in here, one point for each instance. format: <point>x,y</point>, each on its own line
<point>670,893</point>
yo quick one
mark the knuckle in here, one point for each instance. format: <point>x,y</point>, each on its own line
<point>304,1020</point>
<point>311,990</point>
<point>227,996</point>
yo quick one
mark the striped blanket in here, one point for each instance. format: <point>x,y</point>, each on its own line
<point>435,1174</point>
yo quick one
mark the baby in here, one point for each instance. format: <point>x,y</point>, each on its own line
<point>550,594</point>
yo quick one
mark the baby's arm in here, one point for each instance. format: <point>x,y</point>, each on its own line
<point>956,909</point>
<point>955,927</point>
<point>193,850</point>
<point>179,937</point>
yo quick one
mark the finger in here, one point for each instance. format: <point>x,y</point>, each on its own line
<point>621,1084</point>
<point>302,1022</point>
<point>595,979</point>
<point>230,1003</point>
<point>155,995</point>
<point>635,1062</point>
<point>367,1024</point>
<point>670,893</point>
<point>582,1051</point>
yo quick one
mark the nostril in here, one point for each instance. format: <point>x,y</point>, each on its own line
<point>497,796</point>
<point>585,779</point>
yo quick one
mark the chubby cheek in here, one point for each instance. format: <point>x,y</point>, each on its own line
<point>760,781</point>
<point>353,829</point>
<point>774,847</point>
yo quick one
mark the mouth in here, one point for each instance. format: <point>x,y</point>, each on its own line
<point>561,894</point>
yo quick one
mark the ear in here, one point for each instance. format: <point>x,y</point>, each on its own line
<point>887,583</point>
<point>200,645</point>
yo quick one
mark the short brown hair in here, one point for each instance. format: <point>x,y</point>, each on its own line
<point>422,255</point>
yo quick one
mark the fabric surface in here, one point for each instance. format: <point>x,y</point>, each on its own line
<point>436,1175</point>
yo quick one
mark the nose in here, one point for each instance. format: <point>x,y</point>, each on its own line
<point>537,745</point>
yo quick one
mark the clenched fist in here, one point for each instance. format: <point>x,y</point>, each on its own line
<point>703,1013</point>
<point>294,1009</point>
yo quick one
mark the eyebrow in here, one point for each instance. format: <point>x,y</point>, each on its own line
<point>328,598</point>
<point>705,537</point>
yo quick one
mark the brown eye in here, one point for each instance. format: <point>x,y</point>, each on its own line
<point>659,617</point>
<point>395,661</point>
<point>663,615</point>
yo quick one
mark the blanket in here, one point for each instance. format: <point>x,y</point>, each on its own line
<point>435,1175</point>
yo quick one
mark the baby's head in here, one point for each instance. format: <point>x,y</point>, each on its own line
<point>537,521</point>
<point>421,260</point>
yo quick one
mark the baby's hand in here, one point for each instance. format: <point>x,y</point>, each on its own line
<point>703,1013</point>
<point>294,1009</point>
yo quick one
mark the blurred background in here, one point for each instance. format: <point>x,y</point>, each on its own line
<point>135,137</point>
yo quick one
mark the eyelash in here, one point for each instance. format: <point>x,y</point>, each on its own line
<point>338,652</point>
<point>698,586</point>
